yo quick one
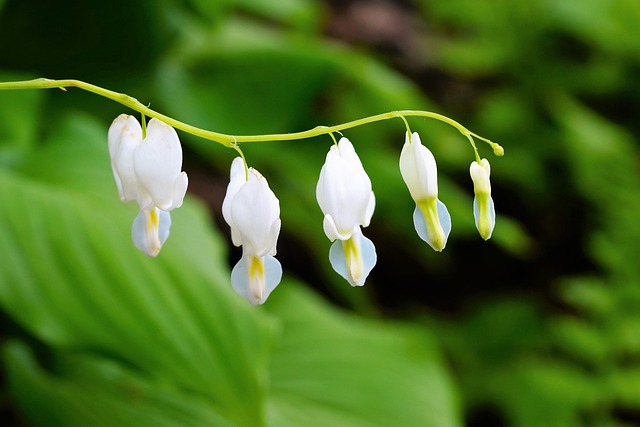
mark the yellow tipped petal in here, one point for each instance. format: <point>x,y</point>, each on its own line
<point>150,230</point>
<point>256,277</point>
<point>432,222</point>
<point>353,259</point>
<point>485,215</point>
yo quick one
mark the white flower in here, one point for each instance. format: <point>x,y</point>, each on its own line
<point>483,209</point>
<point>418,168</point>
<point>148,170</point>
<point>345,197</point>
<point>253,213</point>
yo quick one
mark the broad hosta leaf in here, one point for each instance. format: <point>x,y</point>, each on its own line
<point>74,157</point>
<point>18,110</point>
<point>334,369</point>
<point>72,277</point>
<point>89,391</point>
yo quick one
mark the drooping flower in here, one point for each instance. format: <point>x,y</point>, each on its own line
<point>253,213</point>
<point>420,173</point>
<point>347,201</point>
<point>148,169</point>
<point>483,209</point>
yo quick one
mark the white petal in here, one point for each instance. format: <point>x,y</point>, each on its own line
<point>157,162</point>
<point>356,262</point>
<point>436,230</point>
<point>237,179</point>
<point>254,210</point>
<point>180,185</point>
<point>274,232</point>
<point>150,230</point>
<point>114,135</point>
<point>255,278</point>
<point>348,152</point>
<point>344,189</point>
<point>124,136</point>
<point>371,206</point>
<point>418,169</point>
<point>329,227</point>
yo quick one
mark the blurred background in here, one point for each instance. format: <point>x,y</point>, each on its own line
<point>540,326</point>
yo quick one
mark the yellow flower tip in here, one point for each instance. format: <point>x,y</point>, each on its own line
<point>437,238</point>
<point>498,150</point>
<point>485,220</point>
<point>486,234</point>
<point>154,220</point>
<point>150,230</point>
<point>256,267</point>
<point>257,283</point>
<point>433,223</point>
<point>353,259</point>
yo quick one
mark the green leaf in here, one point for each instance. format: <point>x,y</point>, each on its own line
<point>581,340</point>
<point>97,392</point>
<point>75,157</point>
<point>603,160</point>
<point>560,388</point>
<point>19,111</point>
<point>243,79</point>
<point>302,14</point>
<point>73,278</point>
<point>609,25</point>
<point>625,386</point>
<point>335,369</point>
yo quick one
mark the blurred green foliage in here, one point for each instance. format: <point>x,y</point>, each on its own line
<point>538,327</point>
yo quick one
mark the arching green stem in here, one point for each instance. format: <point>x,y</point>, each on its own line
<point>232,141</point>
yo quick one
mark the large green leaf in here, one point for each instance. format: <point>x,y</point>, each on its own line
<point>72,277</point>
<point>335,369</point>
<point>18,127</point>
<point>89,391</point>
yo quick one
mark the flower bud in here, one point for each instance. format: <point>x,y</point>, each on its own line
<point>418,168</point>
<point>483,209</point>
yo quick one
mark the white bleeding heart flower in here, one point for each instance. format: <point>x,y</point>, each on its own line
<point>148,169</point>
<point>420,173</point>
<point>347,201</point>
<point>253,213</point>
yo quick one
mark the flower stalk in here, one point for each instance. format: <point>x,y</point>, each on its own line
<point>232,141</point>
